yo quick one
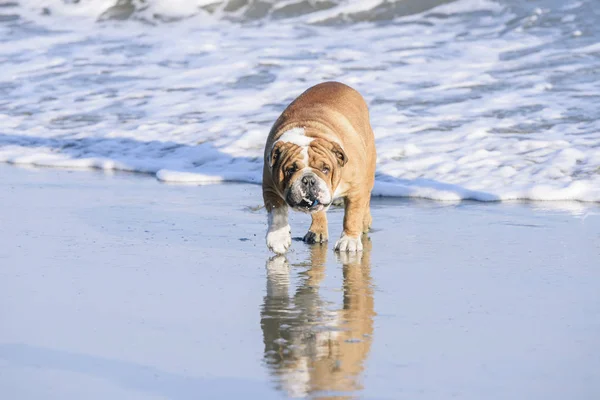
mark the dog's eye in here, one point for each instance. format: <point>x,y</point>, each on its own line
<point>325,169</point>
<point>290,171</point>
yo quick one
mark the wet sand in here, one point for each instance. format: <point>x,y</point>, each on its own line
<point>119,287</point>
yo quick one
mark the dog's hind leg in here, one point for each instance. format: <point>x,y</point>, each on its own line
<point>367,219</point>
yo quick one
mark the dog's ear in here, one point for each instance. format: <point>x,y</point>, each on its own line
<point>339,154</point>
<point>275,153</point>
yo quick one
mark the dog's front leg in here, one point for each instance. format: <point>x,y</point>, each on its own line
<point>279,237</point>
<point>355,208</point>
<point>317,233</point>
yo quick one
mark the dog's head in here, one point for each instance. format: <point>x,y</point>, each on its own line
<point>307,171</point>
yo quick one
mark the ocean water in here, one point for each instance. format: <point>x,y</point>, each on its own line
<point>469,99</point>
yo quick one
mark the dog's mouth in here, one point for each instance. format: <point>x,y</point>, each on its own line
<point>310,206</point>
<point>306,199</point>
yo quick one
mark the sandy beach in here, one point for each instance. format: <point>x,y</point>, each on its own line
<point>133,262</point>
<point>117,286</point>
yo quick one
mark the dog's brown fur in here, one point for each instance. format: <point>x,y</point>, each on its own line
<point>336,117</point>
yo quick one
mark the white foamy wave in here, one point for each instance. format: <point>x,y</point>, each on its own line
<point>310,11</point>
<point>472,100</point>
<point>91,10</point>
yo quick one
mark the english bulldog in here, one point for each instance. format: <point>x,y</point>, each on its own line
<point>320,148</point>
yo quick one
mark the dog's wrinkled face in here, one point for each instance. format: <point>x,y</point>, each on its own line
<point>307,173</point>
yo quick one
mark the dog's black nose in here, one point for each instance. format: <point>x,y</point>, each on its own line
<point>309,180</point>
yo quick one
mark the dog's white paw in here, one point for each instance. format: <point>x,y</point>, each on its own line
<point>349,243</point>
<point>279,240</point>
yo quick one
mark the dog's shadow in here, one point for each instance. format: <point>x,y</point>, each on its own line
<point>309,347</point>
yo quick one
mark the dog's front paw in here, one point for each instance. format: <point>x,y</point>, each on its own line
<point>279,240</point>
<point>312,237</point>
<point>349,243</point>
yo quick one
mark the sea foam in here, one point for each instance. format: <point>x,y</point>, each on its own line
<point>468,99</point>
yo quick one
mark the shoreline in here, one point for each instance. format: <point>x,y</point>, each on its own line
<point>153,175</point>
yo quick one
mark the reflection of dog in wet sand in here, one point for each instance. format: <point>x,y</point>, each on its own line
<point>319,149</point>
<point>309,348</point>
